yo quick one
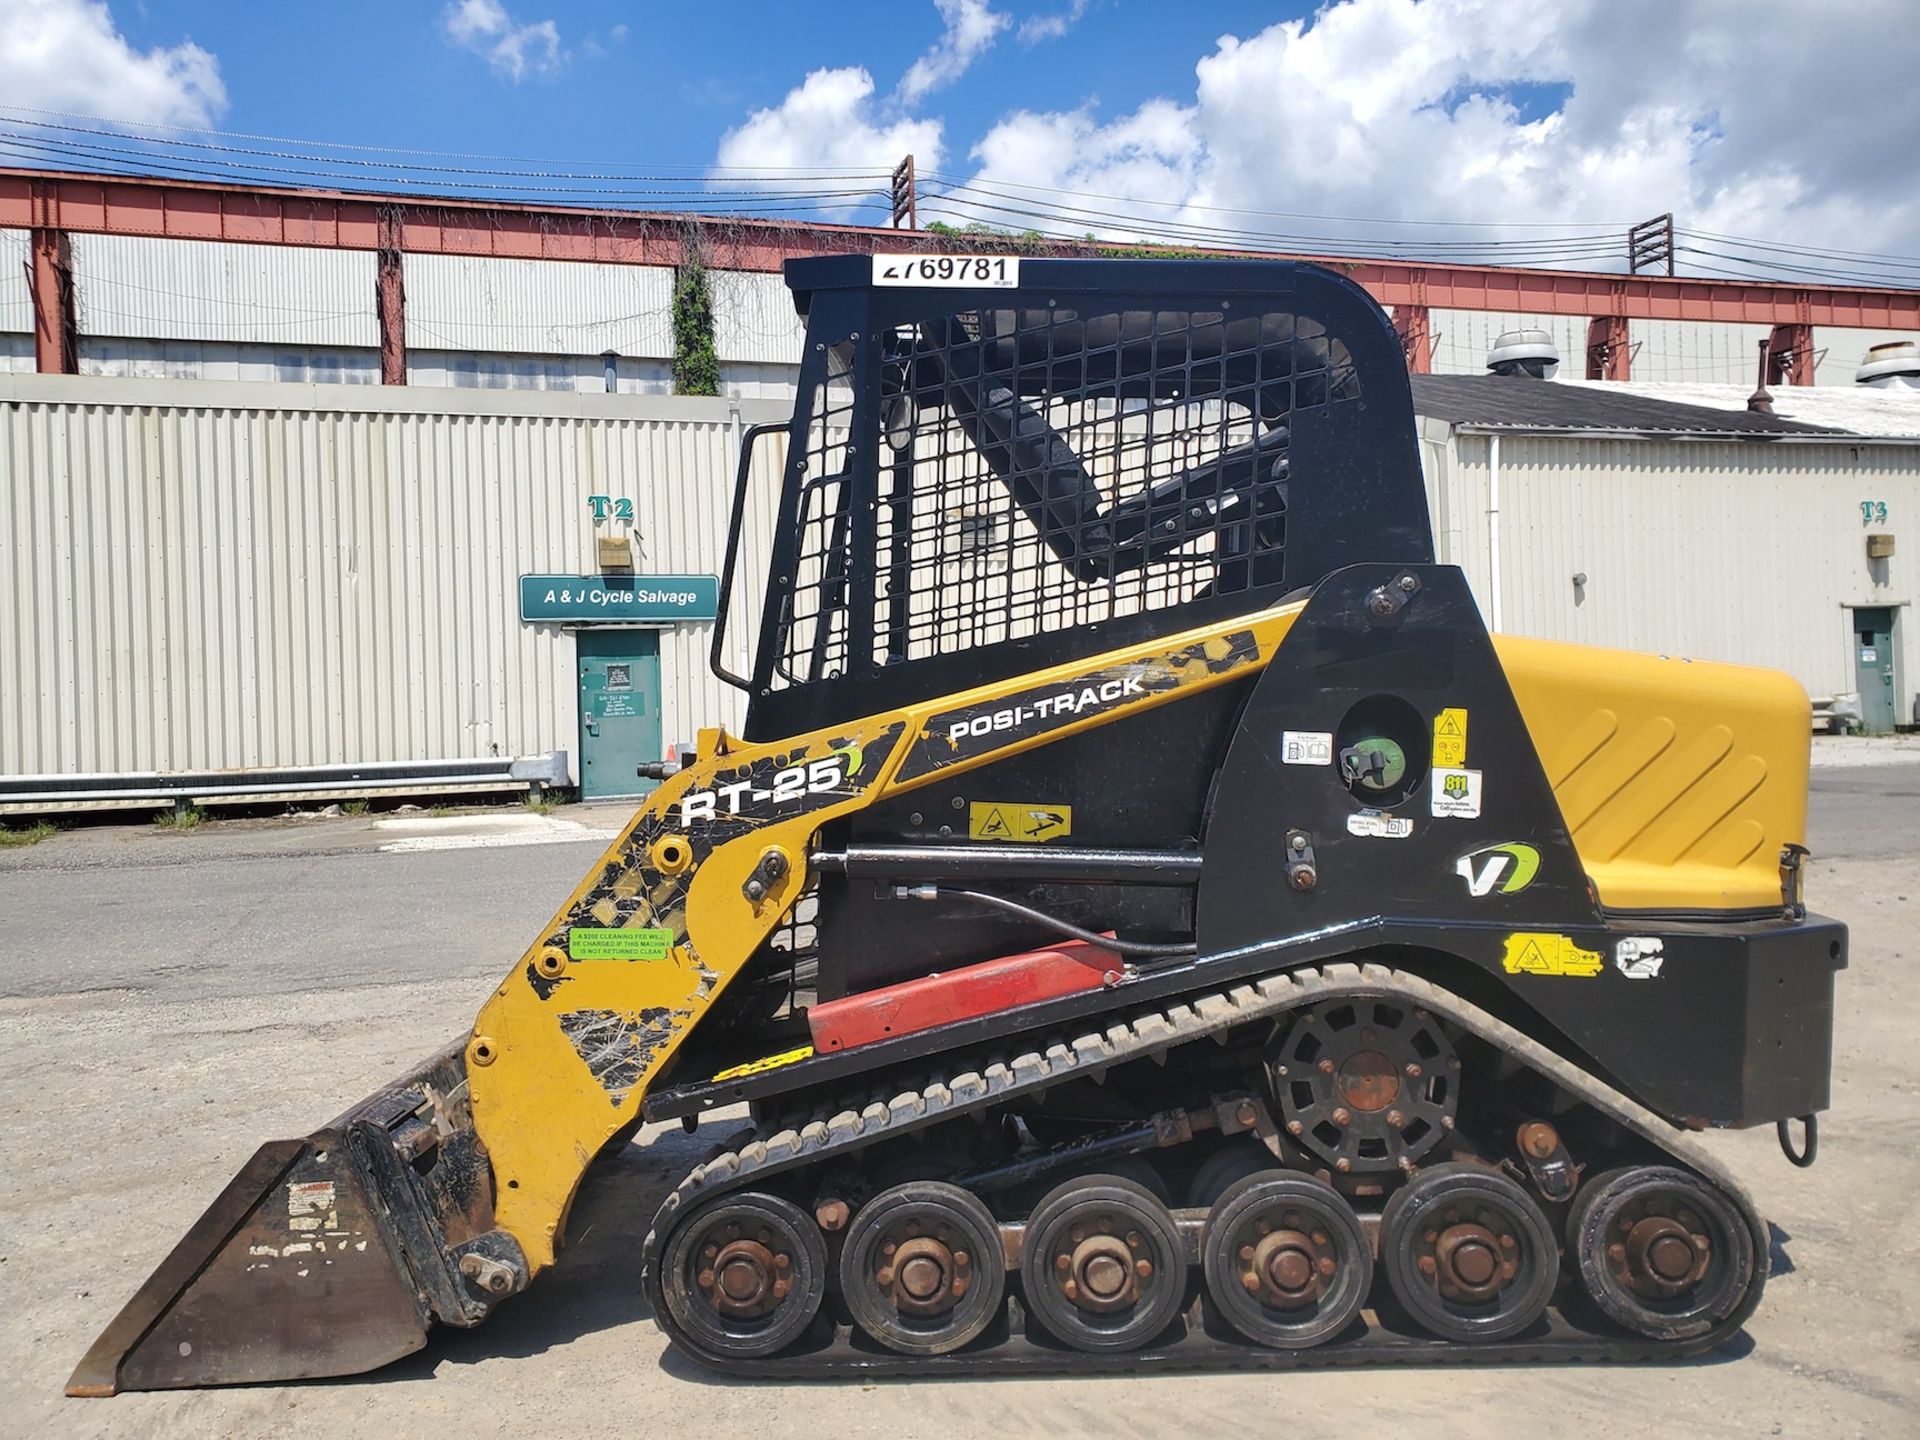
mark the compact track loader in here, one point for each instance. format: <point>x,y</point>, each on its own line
<point>1151,919</point>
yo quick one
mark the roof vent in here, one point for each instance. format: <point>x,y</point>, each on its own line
<point>1893,366</point>
<point>1524,352</point>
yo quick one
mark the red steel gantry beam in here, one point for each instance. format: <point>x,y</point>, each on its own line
<point>1609,353</point>
<point>190,210</point>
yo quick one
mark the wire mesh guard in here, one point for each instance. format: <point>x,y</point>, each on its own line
<point>1036,469</point>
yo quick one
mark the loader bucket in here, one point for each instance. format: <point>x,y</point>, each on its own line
<point>323,1256</point>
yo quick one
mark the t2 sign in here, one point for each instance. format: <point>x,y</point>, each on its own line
<point>606,507</point>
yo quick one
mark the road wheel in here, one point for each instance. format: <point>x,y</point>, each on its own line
<point>1468,1253</point>
<point>1659,1251</point>
<point>1287,1262</point>
<point>745,1276</point>
<point>922,1269</point>
<point>1103,1267</point>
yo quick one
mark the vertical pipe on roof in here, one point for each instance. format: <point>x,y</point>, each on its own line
<point>1494,616</point>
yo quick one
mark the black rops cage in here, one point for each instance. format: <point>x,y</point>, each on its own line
<point>987,478</point>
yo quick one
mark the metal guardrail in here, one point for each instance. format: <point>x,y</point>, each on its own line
<point>181,787</point>
<point>1836,714</point>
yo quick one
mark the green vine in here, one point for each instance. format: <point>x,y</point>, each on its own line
<point>992,239</point>
<point>696,360</point>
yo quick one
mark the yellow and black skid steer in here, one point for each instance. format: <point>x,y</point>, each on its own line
<point>1151,920</point>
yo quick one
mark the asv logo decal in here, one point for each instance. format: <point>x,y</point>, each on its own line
<point>1638,956</point>
<point>1507,868</point>
<point>788,785</point>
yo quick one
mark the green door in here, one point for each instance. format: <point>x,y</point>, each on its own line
<point>619,710</point>
<point>1873,667</point>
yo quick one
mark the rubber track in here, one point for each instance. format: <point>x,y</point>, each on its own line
<point>1142,1036</point>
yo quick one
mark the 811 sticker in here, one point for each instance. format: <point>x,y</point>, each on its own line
<point>993,272</point>
<point>1456,793</point>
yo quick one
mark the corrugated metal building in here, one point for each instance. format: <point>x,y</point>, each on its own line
<point>1671,519</point>
<point>222,575</point>
<point>208,576</point>
<point>16,303</point>
<point>221,310</point>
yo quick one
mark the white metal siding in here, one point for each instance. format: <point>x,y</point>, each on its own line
<point>745,380</point>
<point>586,374</point>
<point>16,294</point>
<point>225,360</point>
<point>538,307</point>
<point>754,319</point>
<point>1712,550</point>
<point>217,290</point>
<point>199,576</point>
<point>1706,352</point>
<point>16,354</point>
<point>1463,338</point>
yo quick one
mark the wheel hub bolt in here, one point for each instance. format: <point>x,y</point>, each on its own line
<point>1105,1276</point>
<point>1469,1262</point>
<point>921,1277</point>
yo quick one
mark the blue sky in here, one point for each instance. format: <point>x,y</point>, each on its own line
<point>1350,122</point>
<point>666,90</point>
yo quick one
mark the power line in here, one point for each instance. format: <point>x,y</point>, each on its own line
<point>130,129</point>
<point>198,153</point>
<point>1905,260</point>
<point>1609,227</point>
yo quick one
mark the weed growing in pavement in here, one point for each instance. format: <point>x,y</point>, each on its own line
<point>441,812</point>
<point>181,817</point>
<point>28,835</point>
<point>354,807</point>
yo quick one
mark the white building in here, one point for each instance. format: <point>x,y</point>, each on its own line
<point>1671,518</point>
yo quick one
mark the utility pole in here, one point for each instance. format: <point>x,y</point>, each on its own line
<point>904,196</point>
<point>1650,245</point>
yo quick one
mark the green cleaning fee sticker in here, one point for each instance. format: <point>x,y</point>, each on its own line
<point>585,943</point>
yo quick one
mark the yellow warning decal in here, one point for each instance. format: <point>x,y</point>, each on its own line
<point>1450,738</point>
<point>770,1062</point>
<point>1027,824</point>
<point>1535,954</point>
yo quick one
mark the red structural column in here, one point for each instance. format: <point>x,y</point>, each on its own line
<point>1609,352</point>
<point>390,299</point>
<point>1790,355</point>
<point>56,333</point>
<point>1412,323</point>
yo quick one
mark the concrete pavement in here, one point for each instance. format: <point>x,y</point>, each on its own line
<point>167,1001</point>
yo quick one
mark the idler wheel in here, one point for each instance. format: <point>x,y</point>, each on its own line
<point>745,1276</point>
<point>1469,1254</point>
<point>1660,1251</point>
<point>1286,1260</point>
<point>1103,1268</point>
<point>922,1270</point>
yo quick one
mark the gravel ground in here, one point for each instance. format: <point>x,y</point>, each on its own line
<point>168,1001</point>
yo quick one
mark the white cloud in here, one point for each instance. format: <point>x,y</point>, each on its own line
<point>69,55</point>
<point>830,119</point>
<point>514,50</point>
<point>971,28</point>
<point>1051,26</point>
<point>1433,110</point>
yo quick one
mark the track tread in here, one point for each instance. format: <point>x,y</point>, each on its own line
<point>997,1076</point>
